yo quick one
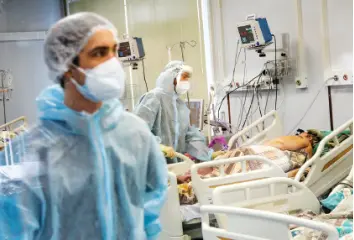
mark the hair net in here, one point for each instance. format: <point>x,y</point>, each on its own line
<point>68,37</point>
<point>99,176</point>
<point>170,72</point>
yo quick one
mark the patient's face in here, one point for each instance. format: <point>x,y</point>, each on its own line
<point>306,135</point>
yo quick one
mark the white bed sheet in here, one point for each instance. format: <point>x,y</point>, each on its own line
<point>190,212</point>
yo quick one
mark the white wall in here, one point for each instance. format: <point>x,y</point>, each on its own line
<point>282,18</point>
<point>25,58</point>
<point>160,23</point>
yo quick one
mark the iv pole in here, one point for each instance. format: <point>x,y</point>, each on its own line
<point>4,90</point>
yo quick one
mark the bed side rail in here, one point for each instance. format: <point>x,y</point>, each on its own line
<point>249,224</point>
<point>337,161</point>
<point>246,136</point>
<point>278,194</point>
<point>203,187</point>
<point>180,167</point>
<point>18,124</point>
<point>172,226</point>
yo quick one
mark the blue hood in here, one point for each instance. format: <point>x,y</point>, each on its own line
<point>50,106</point>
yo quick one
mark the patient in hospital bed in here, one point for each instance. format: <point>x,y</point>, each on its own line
<point>289,152</point>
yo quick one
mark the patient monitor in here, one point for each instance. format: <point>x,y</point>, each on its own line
<point>131,49</point>
<point>196,116</point>
<point>254,32</point>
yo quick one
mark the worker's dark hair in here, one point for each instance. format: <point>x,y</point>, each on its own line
<point>75,62</point>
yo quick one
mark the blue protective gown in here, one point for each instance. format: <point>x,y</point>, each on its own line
<point>99,176</point>
<point>168,116</point>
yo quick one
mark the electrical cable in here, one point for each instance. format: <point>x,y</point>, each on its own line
<point>237,55</point>
<point>245,67</point>
<point>235,90</point>
<point>269,89</point>
<point>243,107</point>
<point>309,107</point>
<point>257,93</point>
<point>283,98</point>
<point>3,75</point>
<point>275,71</point>
<point>146,85</point>
<point>232,80</point>
<point>248,112</point>
<point>240,116</point>
<point>258,102</point>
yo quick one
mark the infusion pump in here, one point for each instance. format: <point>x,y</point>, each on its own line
<point>131,49</point>
<point>254,32</point>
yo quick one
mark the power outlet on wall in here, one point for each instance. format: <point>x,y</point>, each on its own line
<point>341,77</point>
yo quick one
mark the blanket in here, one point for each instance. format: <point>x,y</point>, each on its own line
<point>287,160</point>
<point>341,216</point>
<point>330,145</point>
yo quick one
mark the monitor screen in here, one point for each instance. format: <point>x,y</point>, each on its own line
<point>246,34</point>
<point>124,49</point>
<point>196,113</point>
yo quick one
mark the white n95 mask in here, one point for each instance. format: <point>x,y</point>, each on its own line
<point>182,87</point>
<point>104,82</point>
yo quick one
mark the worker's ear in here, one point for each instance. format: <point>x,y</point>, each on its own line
<point>68,74</point>
<point>77,75</point>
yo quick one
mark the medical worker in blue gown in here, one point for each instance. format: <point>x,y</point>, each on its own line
<point>169,117</point>
<point>97,171</point>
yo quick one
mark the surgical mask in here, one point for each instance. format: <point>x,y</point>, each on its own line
<point>104,82</point>
<point>182,87</point>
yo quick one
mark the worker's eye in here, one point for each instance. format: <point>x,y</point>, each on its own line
<point>99,52</point>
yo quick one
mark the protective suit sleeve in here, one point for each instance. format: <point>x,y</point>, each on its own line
<point>196,145</point>
<point>148,108</point>
<point>156,189</point>
<point>22,204</point>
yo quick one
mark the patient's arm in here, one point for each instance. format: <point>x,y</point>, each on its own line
<point>284,143</point>
<point>290,143</point>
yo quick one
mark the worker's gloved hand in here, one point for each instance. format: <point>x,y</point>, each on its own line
<point>217,154</point>
<point>168,151</point>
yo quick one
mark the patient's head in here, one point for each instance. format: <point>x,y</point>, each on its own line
<point>306,135</point>
<point>313,136</point>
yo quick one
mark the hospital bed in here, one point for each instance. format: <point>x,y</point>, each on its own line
<point>11,169</point>
<point>171,219</point>
<point>325,170</point>
<point>251,210</point>
<point>11,129</point>
<point>242,224</point>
